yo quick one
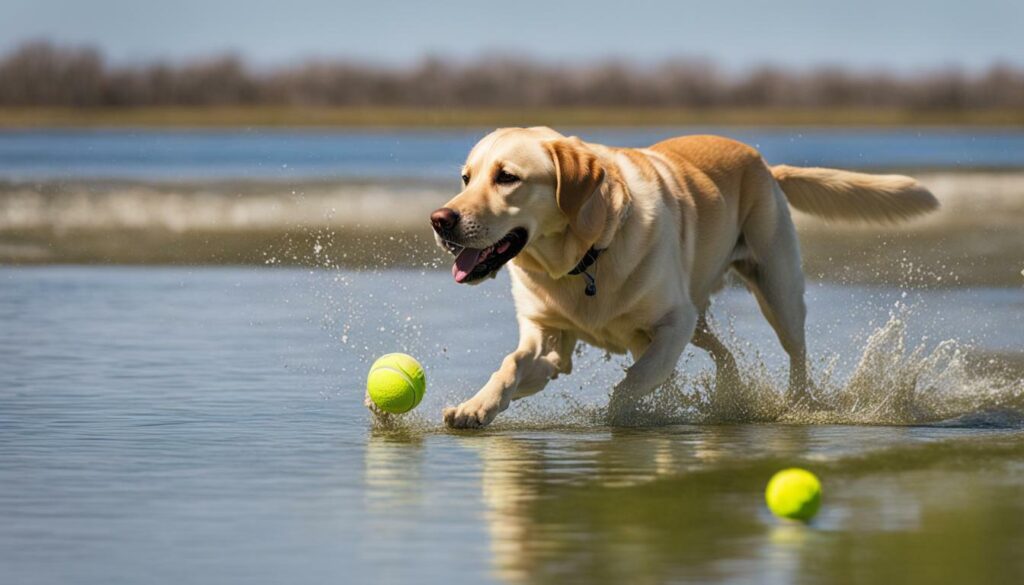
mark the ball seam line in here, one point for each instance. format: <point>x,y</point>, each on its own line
<point>398,371</point>
<point>399,365</point>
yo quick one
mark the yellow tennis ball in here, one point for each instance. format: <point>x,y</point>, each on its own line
<point>396,383</point>
<point>794,494</point>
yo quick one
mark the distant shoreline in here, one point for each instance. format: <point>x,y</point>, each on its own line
<point>27,118</point>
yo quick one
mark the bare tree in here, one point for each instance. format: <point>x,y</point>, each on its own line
<point>44,74</point>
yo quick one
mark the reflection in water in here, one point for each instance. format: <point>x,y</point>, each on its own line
<point>394,462</point>
<point>618,508</point>
<point>685,504</point>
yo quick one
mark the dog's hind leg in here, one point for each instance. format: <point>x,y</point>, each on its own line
<point>782,303</point>
<point>726,372</point>
<point>773,273</point>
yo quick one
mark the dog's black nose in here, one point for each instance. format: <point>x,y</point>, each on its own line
<point>444,219</point>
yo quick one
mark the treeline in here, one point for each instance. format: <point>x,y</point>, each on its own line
<point>44,74</point>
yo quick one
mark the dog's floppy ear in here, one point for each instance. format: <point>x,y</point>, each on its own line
<point>578,174</point>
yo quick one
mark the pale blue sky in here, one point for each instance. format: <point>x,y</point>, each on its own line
<point>899,34</point>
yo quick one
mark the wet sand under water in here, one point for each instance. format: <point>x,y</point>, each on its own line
<point>167,425</point>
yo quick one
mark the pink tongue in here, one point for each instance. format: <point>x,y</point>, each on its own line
<point>465,262</point>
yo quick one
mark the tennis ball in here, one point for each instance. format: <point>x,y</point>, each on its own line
<point>794,494</point>
<point>396,383</point>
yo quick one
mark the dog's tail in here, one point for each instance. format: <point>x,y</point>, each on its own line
<point>845,196</point>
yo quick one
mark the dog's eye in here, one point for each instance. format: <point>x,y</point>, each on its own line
<point>465,179</point>
<point>505,178</point>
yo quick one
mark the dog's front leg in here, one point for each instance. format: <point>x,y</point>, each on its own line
<point>669,337</point>
<point>540,357</point>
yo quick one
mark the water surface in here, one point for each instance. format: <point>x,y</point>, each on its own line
<point>293,155</point>
<point>205,426</point>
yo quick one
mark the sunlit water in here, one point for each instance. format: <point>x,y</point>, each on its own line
<point>206,426</point>
<point>375,154</point>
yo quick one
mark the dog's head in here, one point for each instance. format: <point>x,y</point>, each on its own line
<point>519,184</point>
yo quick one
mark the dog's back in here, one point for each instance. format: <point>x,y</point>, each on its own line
<point>830,194</point>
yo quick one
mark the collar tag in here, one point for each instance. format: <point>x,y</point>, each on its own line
<point>581,268</point>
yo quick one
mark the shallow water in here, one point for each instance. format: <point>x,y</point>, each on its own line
<point>205,425</point>
<point>292,155</point>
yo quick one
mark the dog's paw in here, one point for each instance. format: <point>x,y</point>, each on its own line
<point>622,413</point>
<point>471,414</point>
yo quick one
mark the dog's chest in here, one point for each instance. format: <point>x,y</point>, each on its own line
<point>617,336</point>
<point>605,320</point>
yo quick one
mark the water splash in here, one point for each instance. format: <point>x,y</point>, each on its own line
<point>894,382</point>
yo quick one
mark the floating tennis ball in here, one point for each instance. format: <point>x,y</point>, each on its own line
<point>794,494</point>
<point>396,383</point>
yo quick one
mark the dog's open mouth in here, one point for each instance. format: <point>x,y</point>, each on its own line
<point>475,263</point>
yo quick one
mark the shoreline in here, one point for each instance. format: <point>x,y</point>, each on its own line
<point>212,117</point>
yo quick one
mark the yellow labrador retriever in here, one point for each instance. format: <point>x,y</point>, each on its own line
<point>622,248</point>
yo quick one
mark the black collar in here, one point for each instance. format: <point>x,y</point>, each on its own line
<point>587,261</point>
